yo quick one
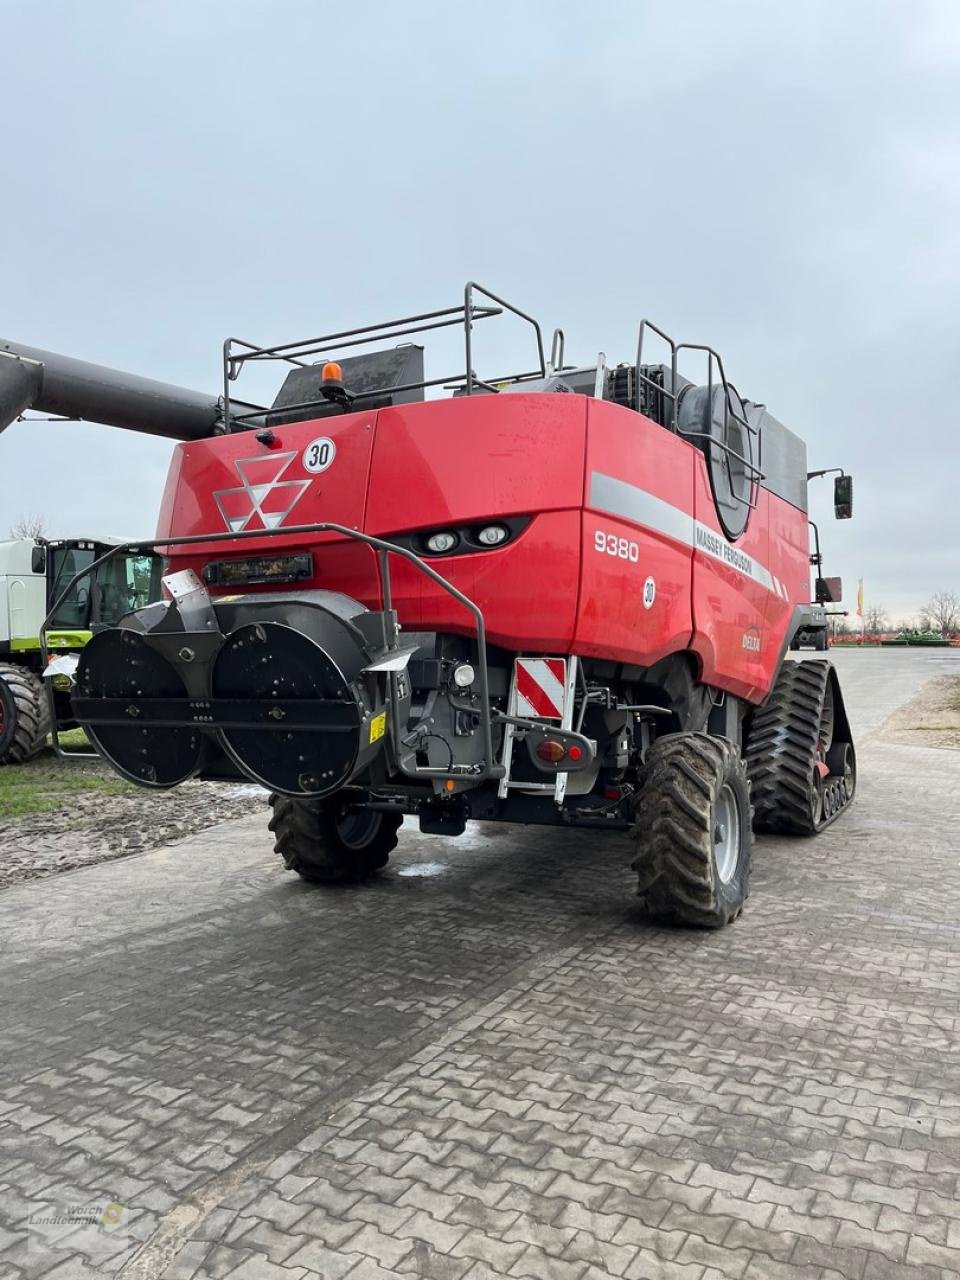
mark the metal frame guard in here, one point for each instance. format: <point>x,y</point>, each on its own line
<point>237,352</point>
<point>673,395</point>
<point>489,769</point>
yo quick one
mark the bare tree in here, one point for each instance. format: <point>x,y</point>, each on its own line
<point>875,619</point>
<point>942,612</point>
<point>29,526</point>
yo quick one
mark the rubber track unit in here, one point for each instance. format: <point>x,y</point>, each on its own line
<point>30,714</point>
<point>782,750</point>
<point>307,838</point>
<point>674,830</point>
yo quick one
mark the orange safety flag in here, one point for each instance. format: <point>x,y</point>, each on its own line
<point>860,599</point>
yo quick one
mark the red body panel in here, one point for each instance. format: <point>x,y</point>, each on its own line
<point>623,558</point>
<point>613,621</point>
<point>204,469</point>
<point>455,462</point>
<point>729,607</point>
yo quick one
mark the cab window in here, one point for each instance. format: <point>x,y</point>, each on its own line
<point>126,583</point>
<point>74,613</point>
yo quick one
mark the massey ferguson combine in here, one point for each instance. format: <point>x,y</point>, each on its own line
<point>560,596</point>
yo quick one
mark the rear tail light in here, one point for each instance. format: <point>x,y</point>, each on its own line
<point>551,751</point>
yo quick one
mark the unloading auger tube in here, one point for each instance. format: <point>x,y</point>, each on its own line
<point>196,711</point>
<point>60,386</point>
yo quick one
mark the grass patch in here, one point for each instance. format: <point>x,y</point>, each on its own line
<point>46,783</point>
<point>931,718</point>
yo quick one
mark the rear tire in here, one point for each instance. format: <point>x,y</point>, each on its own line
<point>24,714</point>
<point>693,830</point>
<point>325,843</point>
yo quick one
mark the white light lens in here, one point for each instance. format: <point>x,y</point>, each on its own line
<point>493,535</point>
<point>463,675</point>
<point>440,542</point>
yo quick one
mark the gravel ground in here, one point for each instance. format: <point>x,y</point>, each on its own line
<point>93,826</point>
<point>931,719</point>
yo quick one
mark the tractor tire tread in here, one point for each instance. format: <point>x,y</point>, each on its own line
<point>673,828</point>
<point>32,713</point>
<point>306,838</point>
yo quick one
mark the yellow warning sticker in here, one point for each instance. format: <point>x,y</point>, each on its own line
<point>378,726</point>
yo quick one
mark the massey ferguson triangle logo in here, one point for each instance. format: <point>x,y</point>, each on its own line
<point>264,499</point>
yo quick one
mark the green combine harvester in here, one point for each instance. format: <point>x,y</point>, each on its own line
<point>33,573</point>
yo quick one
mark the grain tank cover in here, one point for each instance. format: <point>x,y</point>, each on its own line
<point>784,456</point>
<point>376,379</point>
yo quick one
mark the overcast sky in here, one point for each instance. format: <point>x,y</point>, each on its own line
<point>780,180</point>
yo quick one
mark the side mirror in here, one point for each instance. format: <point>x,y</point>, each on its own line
<point>829,590</point>
<point>38,560</point>
<point>843,497</point>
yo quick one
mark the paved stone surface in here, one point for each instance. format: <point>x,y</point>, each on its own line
<point>488,1064</point>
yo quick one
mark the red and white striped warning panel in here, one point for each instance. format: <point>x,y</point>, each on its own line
<point>541,685</point>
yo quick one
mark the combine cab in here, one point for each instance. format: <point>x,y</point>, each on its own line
<point>565,596</point>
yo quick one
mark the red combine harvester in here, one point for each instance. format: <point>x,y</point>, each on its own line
<point>562,596</point>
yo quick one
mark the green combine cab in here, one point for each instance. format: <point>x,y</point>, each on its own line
<point>33,574</point>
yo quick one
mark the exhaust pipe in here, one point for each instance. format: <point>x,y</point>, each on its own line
<point>63,387</point>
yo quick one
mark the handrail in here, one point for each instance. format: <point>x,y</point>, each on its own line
<point>673,394</point>
<point>469,288</point>
<point>238,352</point>
<point>557,343</point>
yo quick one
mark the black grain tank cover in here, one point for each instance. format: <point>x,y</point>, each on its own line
<point>370,377</point>
<point>783,456</point>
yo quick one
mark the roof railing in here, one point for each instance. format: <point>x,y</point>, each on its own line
<point>238,352</point>
<point>673,395</point>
